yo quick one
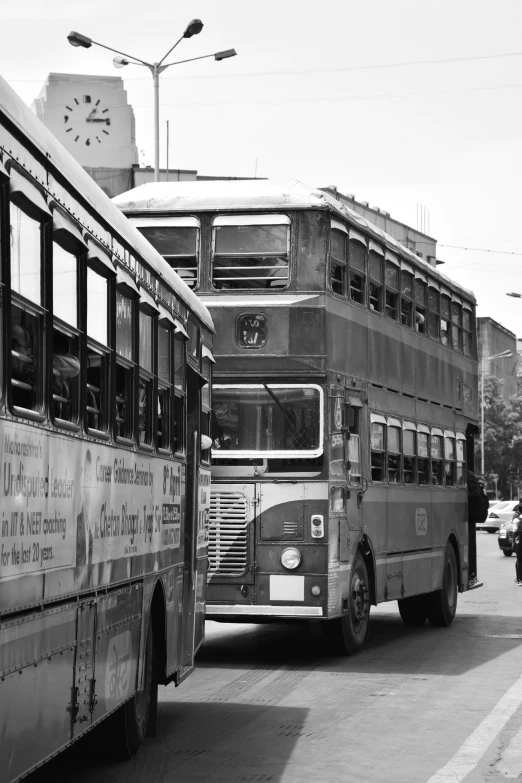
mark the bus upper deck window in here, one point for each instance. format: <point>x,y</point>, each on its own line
<point>357,274</point>
<point>97,351</point>
<point>253,254</point>
<point>375,260</point>
<point>179,246</point>
<point>26,319</point>
<point>467,335</point>
<point>406,298</point>
<point>145,385</point>
<point>338,261</point>
<point>420,306</point>
<point>456,326</point>
<point>124,365</point>
<point>445,315</point>
<point>433,313</point>
<point>392,290</point>
<point>66,344</point>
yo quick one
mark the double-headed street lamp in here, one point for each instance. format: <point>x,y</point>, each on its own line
<point>193,28</point>
<point>503,355</point>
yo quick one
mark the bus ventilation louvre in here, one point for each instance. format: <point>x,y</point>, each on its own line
<point>227,546</point>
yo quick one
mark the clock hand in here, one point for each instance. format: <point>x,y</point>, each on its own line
<point>91,115</point>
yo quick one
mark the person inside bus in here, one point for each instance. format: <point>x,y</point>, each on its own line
<point>22,366</point>
<point>65,368</point>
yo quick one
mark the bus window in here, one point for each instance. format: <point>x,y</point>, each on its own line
<point>445,311</point>
<point>449,459</point>
<point>179,391</point>
<point>378,453</point>
<point>248,254</point>
<point>392,290</point>
<point>467,336</point>
<point>423,462</point>
<point>179,246</point>
<point>338,261</point>
<point>164,385</point>
<point>275,420</point>
<point>410,452</point>
<point>433,313</point>
<point>26,316</point>
<point>124,365</point>
<point>205,407</point>
<point>456,326</point>
<point>420,306</point>
<point>66,344</point>
<point>394,453</point>
<point>146,378</point>
<point>406,298</point>
<point>357,258</point>
<point>461,459</point>
<point>437,454</point>
<point>96,407</point>
<point>352,424</point>
<point>376,278</point>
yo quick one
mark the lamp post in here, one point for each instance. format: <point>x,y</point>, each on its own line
<point>503,355</point>
<point>193,28</point>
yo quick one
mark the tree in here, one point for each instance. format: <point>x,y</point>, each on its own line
<point>502,434</point>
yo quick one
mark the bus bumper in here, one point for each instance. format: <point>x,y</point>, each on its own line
<point>252,610</point>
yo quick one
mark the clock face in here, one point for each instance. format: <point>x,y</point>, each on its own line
<point>87,121</point>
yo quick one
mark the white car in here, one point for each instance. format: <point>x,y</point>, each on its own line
<point>499,513</point>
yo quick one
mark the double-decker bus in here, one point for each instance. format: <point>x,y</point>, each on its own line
<point>344,406</point>
<point>105,478</point>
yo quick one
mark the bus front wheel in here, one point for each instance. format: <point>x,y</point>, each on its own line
<point>442,604</point>
<point>347,634</point>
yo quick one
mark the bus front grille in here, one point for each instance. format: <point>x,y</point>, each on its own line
<point>228,542</point>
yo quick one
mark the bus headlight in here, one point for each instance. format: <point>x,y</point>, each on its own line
<point>291,558</point>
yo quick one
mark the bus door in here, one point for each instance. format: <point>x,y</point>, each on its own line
<point>191,519</point>
<point>354,416</point>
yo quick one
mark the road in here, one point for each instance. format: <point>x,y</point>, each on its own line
<point>268,705</point>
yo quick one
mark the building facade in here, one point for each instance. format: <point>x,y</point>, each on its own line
<point>492,339</point>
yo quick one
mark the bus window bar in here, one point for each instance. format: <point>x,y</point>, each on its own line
<point>21,384</point>
<point>279,278</point>
<point>95,389</point>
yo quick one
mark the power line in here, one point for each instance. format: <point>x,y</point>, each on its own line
<point>310,71</point>
<point>480,249</point>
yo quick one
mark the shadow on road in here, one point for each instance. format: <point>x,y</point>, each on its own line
<point>471,641</point>
<point>196,741</point>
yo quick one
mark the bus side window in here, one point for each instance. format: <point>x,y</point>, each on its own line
<point>96,399</point>
<point>406,298</point>
<point>394,454</point>
<point>146,377</point>
<point>449,461</point>
<point>378,451</point>
<point>179,391</point>
<point>125,367</point>
<point>392,290</point>
<point>433,313</point>
<point>423,461</point>
<point>437,477</point>
<point>352,424</point>
<point>338,261</point>
<point>376,280</point>
<point>445,315</point>
<point>205,408</point>
<point>409,449</point>
<point>164,384</point>
<point>357,275</point>
<point>26,312</point>
<point>461,459</point>
<point>456,326</point>
<point>420,306</point>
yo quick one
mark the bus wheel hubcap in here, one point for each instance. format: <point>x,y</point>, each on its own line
<point>359,599</point>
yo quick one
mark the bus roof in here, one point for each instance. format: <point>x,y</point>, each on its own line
<point>15,110</point>
<point>261,194</point>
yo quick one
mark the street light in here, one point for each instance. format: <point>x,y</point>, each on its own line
<point>193,28</point>
<point>503,355</point>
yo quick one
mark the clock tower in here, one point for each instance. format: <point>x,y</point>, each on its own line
<point>91,117</point>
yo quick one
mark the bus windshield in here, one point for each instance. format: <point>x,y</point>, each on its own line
<point>271,420</point>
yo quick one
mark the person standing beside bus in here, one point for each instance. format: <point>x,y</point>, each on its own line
<point>478,506</point>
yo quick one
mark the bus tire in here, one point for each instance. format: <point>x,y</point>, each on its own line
<point>414,610</point>
<point>442,604</point>
<point>507,552</point>
<point>133,717</point>
<point>346,634</point>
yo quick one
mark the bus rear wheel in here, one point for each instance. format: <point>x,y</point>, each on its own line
<point>414,610</point>
<point>442,604</point>
<point>346,634</point>
<point>134,717</point>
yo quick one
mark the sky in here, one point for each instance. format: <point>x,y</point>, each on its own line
<point>403,103</point>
